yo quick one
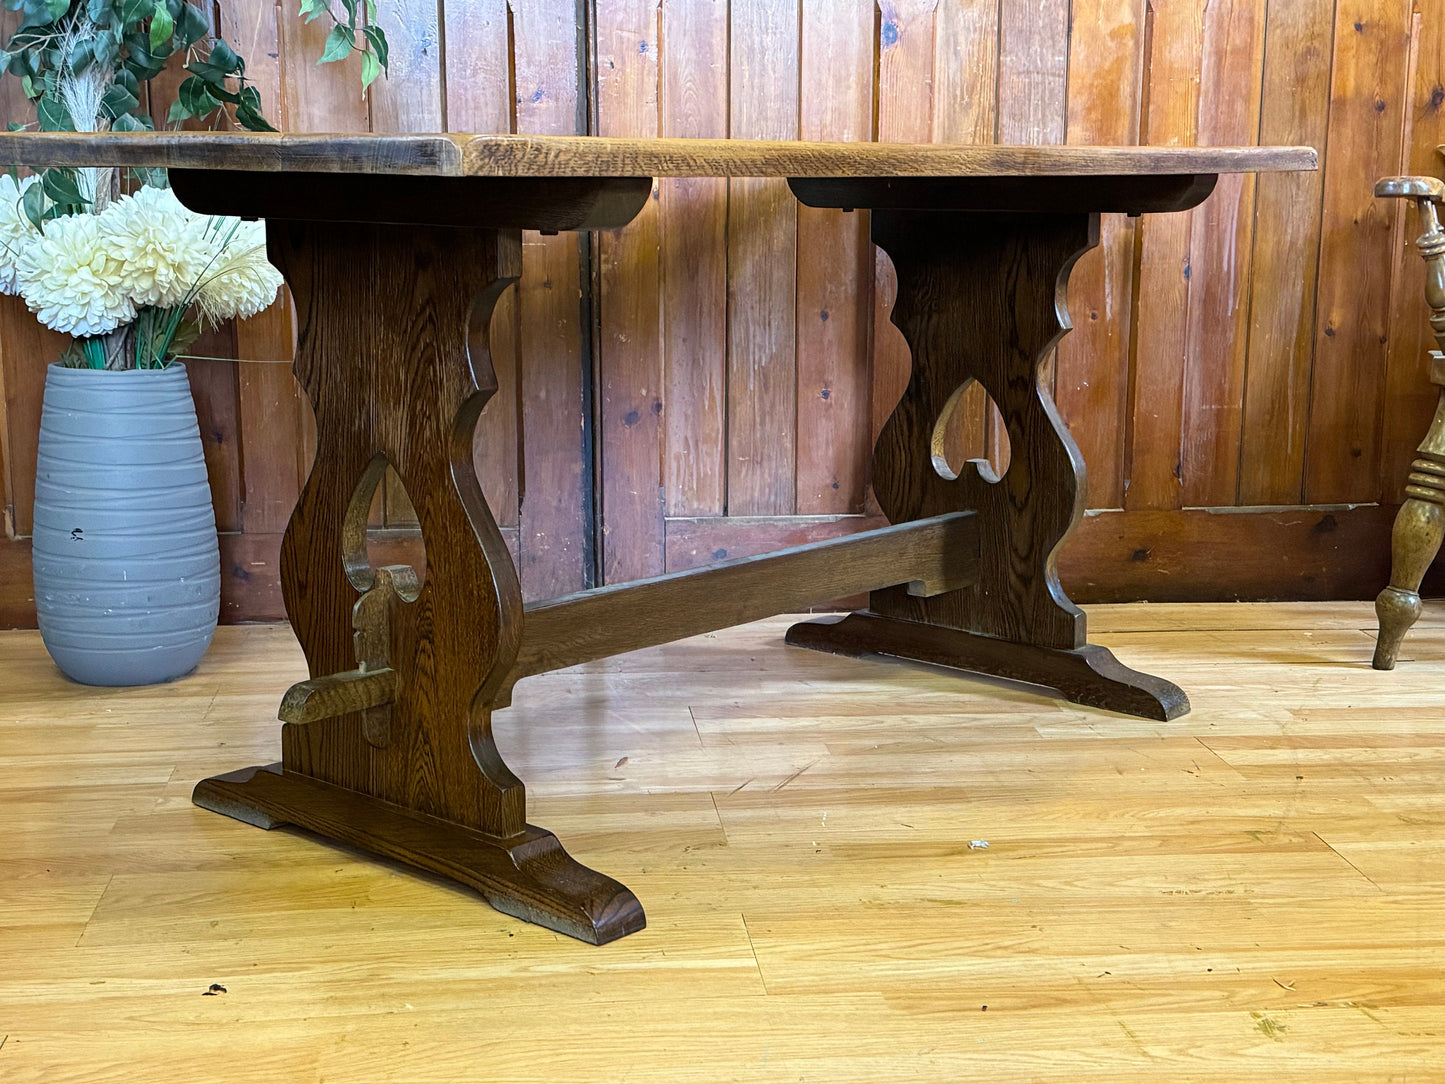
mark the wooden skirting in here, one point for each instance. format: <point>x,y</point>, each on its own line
<point>1232,555</point>
<point>1196,555</point>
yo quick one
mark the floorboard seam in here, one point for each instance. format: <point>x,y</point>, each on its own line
<point>723,827</point>
<point>754,950</point>
<point>91,917</point>
<point>1347,862</point>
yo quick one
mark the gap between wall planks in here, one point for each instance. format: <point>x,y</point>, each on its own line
<point>629,275</point>
<point>1255,370</point>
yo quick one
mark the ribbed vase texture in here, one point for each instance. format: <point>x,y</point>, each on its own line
<point>127,567</point>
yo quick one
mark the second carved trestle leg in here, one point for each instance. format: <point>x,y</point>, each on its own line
<point>980,298</point>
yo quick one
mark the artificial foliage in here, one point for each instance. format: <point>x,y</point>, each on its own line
<point>110,258</point>
<point>85,63</point>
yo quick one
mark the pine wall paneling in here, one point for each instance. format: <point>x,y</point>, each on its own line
<point>1246,380</point>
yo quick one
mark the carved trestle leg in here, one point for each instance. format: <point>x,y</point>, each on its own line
<point>1420,523</point>
<point>389,746</point>
<point>981,297</point>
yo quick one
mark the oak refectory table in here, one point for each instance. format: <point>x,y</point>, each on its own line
<point>396,249</point>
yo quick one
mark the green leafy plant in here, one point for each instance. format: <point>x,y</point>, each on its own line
<point>83,64</point>
<point>343,39</point>
<point>87,65</point>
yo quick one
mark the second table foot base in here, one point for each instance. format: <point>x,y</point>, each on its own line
<point>528,876</point>
<point>1086,675</point>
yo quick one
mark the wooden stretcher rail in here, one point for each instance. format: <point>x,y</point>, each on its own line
<point>932,556</point>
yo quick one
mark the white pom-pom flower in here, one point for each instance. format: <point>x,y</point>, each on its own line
<point>162,247</point>
<point>16,232</point>
<point>242,281</point>
<point>70,278</point>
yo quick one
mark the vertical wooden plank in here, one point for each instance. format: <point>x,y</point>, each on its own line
<point>253,29</point>
<point>762,250</point>
<point>269,432</point>
<point>478,72</point>
<point>318,97</point>
<point>26,348</point>
<point>905,115</point>
<point>965,110</point>
<point>1033,70</point>
<point>1294,109</point>
<point>268,397</point>
<point>966,72</point>
<point>1174,32</point>
<point>478,81</point>
<point>14,106</point>
<point>213,386</point>
<point>1410,398</point>
<point>1342,456</point>
<point>408,97</point>
<point>835,264</point>
<point>629,417</point>
<point>23,345</point>
<point>554,520</point>
<point>1091,379</point>
<point>1220,254</point>
<point>693,228</point>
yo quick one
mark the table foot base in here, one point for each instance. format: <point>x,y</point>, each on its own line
<point>528,876</point>
<point>1085,675</point>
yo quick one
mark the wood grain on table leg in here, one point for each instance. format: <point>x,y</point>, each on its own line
<point>980,298</point>
<point>389,747</point>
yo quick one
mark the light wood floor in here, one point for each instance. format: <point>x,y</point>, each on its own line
<point>1254,892</point>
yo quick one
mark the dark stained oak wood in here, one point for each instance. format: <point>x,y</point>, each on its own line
<point>980,298</point>
<point>598,156</point>
<point>1085,675</point>
<point>385,358</point>
<point>527,875</point>
<point>431,155</point>
<point>337,694</point>
<point>393,356</point>
<point>590,155</point>
<point>388,746</point>
<point>1127,194</point>
<point>554,203</point>
<point>925,558</point>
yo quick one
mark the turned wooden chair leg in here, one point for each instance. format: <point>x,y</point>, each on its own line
<point>1420,524</point>
<point>1419,529</point>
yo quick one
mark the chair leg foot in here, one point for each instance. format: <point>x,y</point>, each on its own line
<point>1419,529</point>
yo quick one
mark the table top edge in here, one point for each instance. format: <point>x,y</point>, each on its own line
<point>463,155</point>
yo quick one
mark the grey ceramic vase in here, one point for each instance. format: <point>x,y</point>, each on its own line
<point>127,567</point>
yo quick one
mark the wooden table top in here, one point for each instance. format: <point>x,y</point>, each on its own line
<point>597,156</point>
